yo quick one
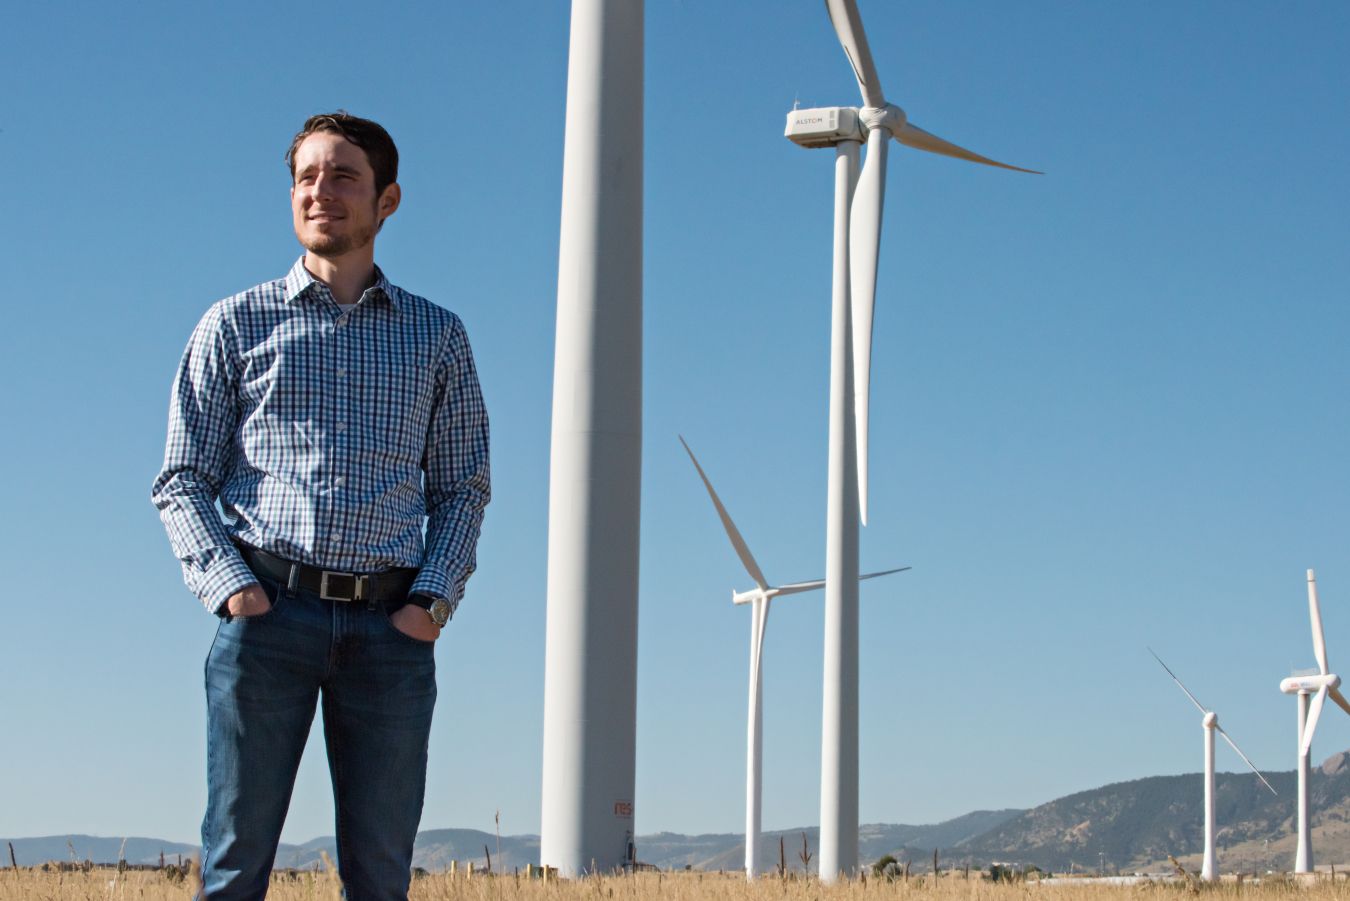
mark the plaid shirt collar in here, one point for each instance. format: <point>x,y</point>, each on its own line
<point>299,280</point>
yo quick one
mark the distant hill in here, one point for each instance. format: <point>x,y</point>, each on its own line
<point>727,851</point>
<point>1133,826</point>
<point>876,840</point>
<point>436,848</point>
<point>671,849</point>
<point>31,851</point>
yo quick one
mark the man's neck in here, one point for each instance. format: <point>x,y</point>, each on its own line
<point>347,276</point>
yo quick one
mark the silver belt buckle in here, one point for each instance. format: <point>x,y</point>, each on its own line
<point>358,583</point>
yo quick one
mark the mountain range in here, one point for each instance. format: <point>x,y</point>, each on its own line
<point>1133,826</point>
<point>1123,827</point>
<point>436,848</point>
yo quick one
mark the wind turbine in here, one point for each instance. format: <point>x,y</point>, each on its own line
<point>595,458</point>
<point>1325,684</point>
<point>759,597</point>
<point>858,201</point>
<point>1211,724</point>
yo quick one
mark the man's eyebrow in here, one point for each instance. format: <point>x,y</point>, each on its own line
<point>344,169</point>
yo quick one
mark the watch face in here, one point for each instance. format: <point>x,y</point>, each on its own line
<point>440,611</point>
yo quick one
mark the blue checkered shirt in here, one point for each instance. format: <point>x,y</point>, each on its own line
<point>328,438</point>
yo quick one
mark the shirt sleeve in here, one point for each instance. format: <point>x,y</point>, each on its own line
<point>203,421</point>
<point>458,480</point>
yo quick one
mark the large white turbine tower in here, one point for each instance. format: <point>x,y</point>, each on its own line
<point>1211,724</point>
<point>759,597</point>
<point>858,201</point>
<point>595,466</point>
<point>1325,684</point>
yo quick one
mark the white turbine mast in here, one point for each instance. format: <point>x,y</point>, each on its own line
<point>1210,723</point>
<point>1325,684</point>
<point>759,597</point>
<point>595,464</point>
<point>858,202</point>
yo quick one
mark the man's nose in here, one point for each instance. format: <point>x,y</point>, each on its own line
<point>324,186</point>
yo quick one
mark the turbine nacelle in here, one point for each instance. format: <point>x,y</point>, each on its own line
<point>1211,720</point>
<point>823,126</point>
<point>1311,684</point>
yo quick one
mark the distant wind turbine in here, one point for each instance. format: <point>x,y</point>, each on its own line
<point>759,598</point>
<point>1325,684</point>
<point>1211,724</point>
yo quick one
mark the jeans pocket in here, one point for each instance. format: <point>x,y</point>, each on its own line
<point>389,624</point>
<point>275,595</point>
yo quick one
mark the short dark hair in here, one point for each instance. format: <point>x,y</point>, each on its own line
<point>369,136</point>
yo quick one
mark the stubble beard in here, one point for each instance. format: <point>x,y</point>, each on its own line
<point>338,245</point>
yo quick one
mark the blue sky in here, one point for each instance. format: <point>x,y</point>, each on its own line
<point>1108,403</point>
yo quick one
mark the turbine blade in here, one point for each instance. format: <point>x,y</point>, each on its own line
<point>1314,712</point>
<point>798,587</point>
<point>1319,640</point>
<point>848,25</point>
<point>1178,681</point>
<point>1244,757</point>
<point>886,573</point>
<point>864,249</point>
<point>913,136</point>
<point>1339,698</point>
<point>747,559</point>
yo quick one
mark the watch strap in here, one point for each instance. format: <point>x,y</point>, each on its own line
<point>422,599</point>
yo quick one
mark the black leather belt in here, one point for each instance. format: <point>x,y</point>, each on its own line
<point>331,585</point>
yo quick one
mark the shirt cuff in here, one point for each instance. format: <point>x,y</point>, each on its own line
<point>438,582</point>
<point>228,575</point>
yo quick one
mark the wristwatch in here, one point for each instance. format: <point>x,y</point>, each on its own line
<point>439,608</point>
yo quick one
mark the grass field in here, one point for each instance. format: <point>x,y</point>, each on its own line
<point>35,884</point>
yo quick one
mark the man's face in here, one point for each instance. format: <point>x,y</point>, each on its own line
<point>333,199</point>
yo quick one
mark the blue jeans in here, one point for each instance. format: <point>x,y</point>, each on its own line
<point>264,676</point>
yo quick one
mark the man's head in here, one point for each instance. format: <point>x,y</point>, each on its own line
<point>344,175</point>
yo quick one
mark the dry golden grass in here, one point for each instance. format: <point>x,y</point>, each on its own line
<point>35,884</point>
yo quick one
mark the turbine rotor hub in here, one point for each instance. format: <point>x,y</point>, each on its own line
<point>889,117</point>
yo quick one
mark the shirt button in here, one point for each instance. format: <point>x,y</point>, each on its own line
<point>340,481</point>
<point>335,536</point>
<point>341,426</point>
<point>341,373</point>
<point>342,320</point>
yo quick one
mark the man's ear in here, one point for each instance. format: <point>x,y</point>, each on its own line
<point>389,200</point>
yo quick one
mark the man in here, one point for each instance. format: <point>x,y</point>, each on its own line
<point>331,414</point>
